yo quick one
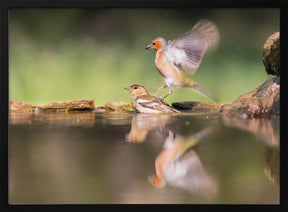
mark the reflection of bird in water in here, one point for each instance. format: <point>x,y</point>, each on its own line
<point>142,124</point>
<point>179,166</point>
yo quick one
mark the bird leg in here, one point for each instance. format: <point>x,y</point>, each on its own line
<point>158,89</point>
<point>170,91</point>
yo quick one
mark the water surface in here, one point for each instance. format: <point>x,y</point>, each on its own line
<point>92,158</point>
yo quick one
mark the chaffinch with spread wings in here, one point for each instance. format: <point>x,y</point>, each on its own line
<point>184,53</point>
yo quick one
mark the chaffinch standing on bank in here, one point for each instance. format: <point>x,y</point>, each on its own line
<point>143,102</point>
<point>184,52</point>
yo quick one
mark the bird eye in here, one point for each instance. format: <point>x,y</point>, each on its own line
<point>153,44</point>
<point>135,88</point>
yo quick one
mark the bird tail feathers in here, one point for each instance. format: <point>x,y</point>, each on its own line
<point>201,90</point>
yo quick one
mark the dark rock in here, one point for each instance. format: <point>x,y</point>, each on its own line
<point>264,101</point>
<point>198,106</point>
<point>275,111</point>
<point>271,54</point>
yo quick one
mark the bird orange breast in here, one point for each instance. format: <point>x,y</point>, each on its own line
<point>160,64</point>
<point>167,156</point>
<point>168,70</point>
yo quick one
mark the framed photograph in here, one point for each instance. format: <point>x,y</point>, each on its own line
<point>120,105</point>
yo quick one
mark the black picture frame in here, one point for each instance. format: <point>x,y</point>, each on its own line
<point>6,5</point>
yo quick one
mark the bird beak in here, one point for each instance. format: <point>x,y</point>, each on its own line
<point>127,88</point>
<point>149,47</point>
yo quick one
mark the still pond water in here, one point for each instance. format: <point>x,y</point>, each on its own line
<point>92,158</point>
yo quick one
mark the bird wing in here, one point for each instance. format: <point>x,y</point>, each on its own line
<point>156,103</point>
<point>187,50</point>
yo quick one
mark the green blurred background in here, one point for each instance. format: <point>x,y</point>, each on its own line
<point>63,54</point>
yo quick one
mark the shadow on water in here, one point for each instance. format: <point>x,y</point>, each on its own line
<point>86,157</point>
